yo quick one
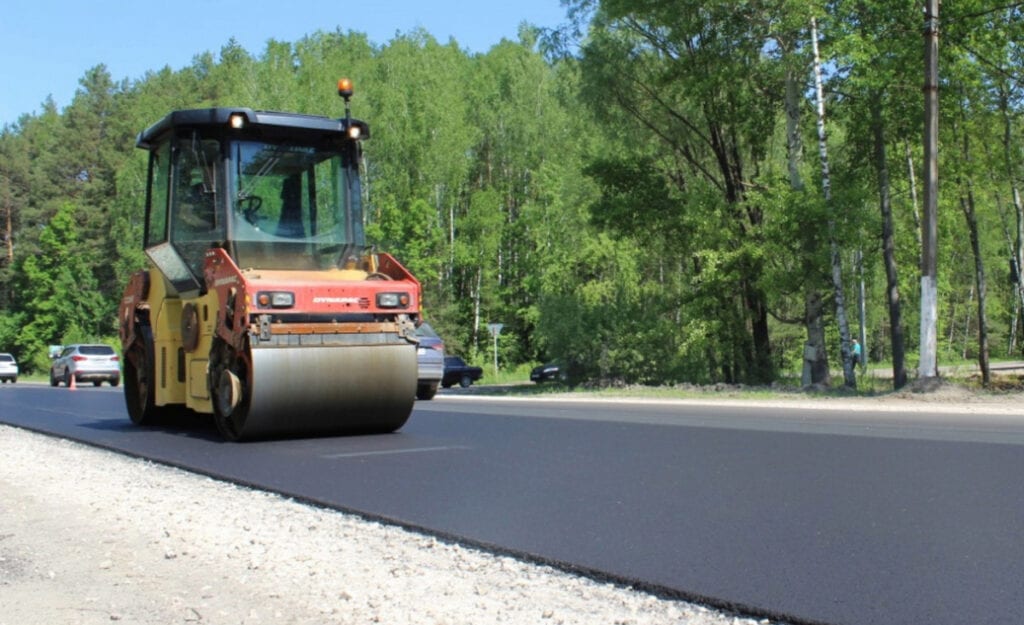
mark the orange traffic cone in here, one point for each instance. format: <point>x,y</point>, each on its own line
<point>71,387</point>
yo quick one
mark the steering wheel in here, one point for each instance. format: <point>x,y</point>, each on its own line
<point>250,205</point>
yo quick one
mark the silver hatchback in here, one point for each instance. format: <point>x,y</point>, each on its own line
<point>429,361</point>
<point>86,363</point>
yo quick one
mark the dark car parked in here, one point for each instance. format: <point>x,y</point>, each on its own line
<point>551,372</point>
<point>456,371</point>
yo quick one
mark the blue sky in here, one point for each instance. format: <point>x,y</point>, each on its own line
<point>46,46</point>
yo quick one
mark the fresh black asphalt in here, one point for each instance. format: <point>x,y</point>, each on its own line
<point>804,515</point>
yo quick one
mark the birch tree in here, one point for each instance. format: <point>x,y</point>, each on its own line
<point>791,36</point>
<point>846,354</point>
<point>872,44</point>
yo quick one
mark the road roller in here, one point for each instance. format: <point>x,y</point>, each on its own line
<point>262,303</point>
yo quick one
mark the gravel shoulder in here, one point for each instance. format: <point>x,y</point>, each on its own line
<point>88,536</point>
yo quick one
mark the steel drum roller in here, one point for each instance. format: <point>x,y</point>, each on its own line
<point>330,389</point>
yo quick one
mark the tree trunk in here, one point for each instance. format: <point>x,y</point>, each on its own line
<point>794,145</point>
<point>913,194</point>
<point>849,374</point>
<point>967,324</point>
<point>757,307</point>
<point>1011,246</point>
<point>9,227</point>
<point>861,309</point>
<point>1018,252</point>
<point>815,353</point>
<point>757,368</point>
<point>477,296</point>
<point>967,204</point>
<point>1018,239</point>
<point>892,290</point>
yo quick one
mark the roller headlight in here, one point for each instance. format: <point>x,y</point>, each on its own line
<point>275,299</point>
<point>392,300</point>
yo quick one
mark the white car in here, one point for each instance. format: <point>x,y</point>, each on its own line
<point>8,368</point>
<point>86,363</point>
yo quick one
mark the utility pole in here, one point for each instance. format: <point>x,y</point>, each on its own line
<point>928,367</point>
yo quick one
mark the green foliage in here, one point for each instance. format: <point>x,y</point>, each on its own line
<point>58,289</point>
<point>410,234</point>
<point>10,327</point>
<point>627,208</point>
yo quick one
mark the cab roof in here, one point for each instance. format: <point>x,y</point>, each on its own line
<point>270,124</point>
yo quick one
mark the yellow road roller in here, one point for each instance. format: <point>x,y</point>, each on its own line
<point>263,304</point>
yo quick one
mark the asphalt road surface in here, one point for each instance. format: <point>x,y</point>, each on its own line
<point>803,515</point>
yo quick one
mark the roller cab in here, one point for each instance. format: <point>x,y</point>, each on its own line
<point>264,306</point>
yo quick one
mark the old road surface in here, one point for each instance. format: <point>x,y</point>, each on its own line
<point>805,515</point>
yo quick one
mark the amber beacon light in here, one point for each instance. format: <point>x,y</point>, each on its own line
<point>345,88</point>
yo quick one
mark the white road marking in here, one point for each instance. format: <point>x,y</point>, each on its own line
<point>385,452</point>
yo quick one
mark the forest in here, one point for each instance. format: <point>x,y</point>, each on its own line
<point>658,192</point>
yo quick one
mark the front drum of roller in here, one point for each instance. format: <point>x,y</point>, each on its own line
<point>317,390</point>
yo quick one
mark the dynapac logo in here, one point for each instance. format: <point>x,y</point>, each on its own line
<point>335,300</point>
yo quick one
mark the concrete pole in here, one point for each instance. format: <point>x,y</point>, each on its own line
<point>928,366</point>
